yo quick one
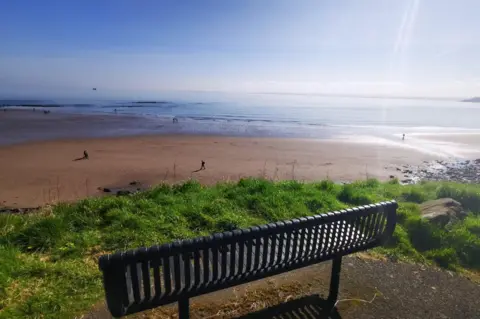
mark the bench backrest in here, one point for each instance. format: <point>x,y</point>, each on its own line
<point>149,277</point>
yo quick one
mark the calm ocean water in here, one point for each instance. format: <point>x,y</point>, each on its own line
<point>304,116</point>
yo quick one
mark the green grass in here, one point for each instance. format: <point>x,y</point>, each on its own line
<point>48,260</point>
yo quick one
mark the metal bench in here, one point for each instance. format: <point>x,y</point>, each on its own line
<point>146,278</point>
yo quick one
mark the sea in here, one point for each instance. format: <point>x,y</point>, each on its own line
<point>356,119</point>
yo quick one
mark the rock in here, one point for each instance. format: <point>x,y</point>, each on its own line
<point>477,161</point>
<point>392,176</point>
<point>24,210</point>
<point>125,190</point>
<point>407,181</point>
<point>443,211</point>
<point>399,169</point>
<point>408,171</point>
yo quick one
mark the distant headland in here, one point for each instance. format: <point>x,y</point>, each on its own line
<point>472,100</point>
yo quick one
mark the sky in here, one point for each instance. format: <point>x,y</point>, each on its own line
<point>370,47</point>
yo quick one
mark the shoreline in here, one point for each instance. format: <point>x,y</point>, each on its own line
<point>39,173</point>
<point>25,126</point>
<point>36,172</point>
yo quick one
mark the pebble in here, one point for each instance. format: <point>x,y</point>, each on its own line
<point>454,170</point>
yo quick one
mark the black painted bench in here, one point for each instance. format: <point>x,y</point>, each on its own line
<point>146,278</point>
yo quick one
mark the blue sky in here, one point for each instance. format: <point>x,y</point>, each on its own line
<point>383,47</point>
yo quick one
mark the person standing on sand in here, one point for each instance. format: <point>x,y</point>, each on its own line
<point>85,154</point>
<point>203,165</point>
<point>403,138</point>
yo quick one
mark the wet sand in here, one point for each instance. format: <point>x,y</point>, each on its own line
<point>38,173</point>
<point>26,125</point>
<point>37,153</point>
<point>471,139</point>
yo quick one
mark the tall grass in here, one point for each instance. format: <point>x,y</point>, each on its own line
<point>48,260</point>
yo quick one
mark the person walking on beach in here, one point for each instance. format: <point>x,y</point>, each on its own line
<point>403,138</point>
<point>85,154</point>
<point>203,165</point>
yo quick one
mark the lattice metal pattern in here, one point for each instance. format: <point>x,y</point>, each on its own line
<point>149,277</point>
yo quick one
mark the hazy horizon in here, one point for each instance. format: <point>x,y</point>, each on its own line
<point>137,50</point>
<point>174,94</point>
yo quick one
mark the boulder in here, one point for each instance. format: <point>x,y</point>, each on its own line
<point>443,211</point>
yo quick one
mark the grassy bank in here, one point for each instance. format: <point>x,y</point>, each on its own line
<point>48,260</point>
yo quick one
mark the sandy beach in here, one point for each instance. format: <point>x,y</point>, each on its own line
<point>43,170</point>
<point>38,173</point>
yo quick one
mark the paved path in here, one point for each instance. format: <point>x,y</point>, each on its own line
<point>400,290</point>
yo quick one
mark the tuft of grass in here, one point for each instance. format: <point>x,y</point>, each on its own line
<point>414,195</point>
<point>444,257</point>
<point>41,235</point>
<point>49,269</point>
<point>326,185</point>
<point>355,195</point>
<point>472,225</point>
<point>467,195</point>
<point>394,181</point>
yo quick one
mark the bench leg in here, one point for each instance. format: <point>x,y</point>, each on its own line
<point>183,309</point>
<point>334,281</point>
